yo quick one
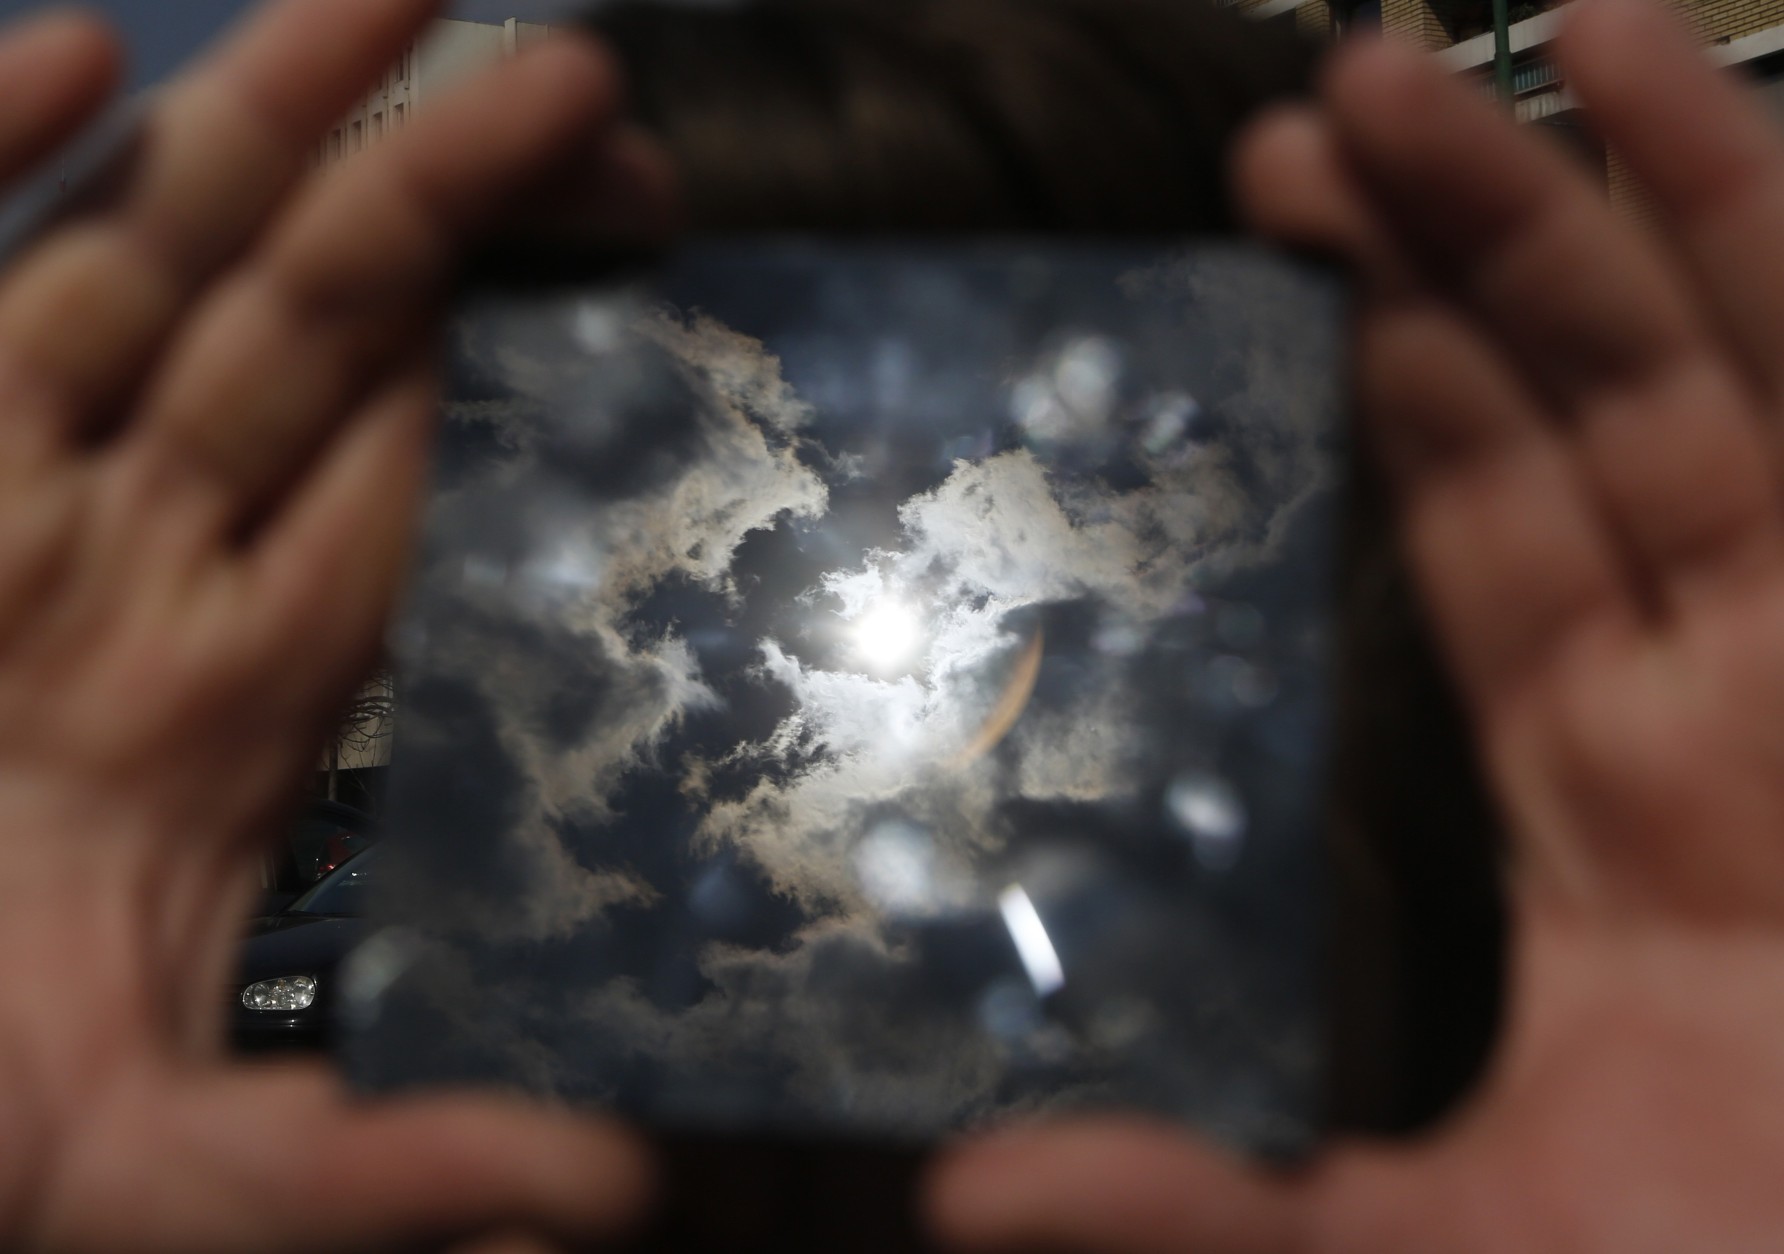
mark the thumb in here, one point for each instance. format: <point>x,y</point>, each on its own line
<point>286,1160</point>
<point>1115,1186</point>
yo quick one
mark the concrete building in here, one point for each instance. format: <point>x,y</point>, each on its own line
<point>1748,34</point>
<point>447,53</point>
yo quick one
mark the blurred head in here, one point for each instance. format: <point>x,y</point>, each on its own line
<point>907,116</point>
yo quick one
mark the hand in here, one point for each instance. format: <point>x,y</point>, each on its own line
<point>214,409</point>
<point>1582,421</point>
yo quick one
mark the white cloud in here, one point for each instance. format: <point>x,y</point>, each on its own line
<point>575,567</point>
<point>901,1068</point>
<point>866,809</point>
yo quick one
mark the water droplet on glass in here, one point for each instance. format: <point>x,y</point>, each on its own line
<point>1170,419</point>
<point>1038,410</point>
<point>1088,377</point>
<point>718,900</point>
<point>600,328</point>
<point>895,864</point>
<point>1210,812</point>
<point>1118,639</point>
<point>372,967</point>
<point>569,569</point>
<point>1010,1011</point>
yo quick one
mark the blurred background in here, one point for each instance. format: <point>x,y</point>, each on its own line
<point>161,36</point>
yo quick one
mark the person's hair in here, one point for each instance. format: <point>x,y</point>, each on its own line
<point>954,115</point>
<point>1109,117</point>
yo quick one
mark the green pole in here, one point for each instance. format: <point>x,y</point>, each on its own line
<point>1502,54</point>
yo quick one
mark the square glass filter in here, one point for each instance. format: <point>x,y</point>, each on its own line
<point>868,690</point>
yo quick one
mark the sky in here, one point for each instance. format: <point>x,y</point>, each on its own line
<point>874,689</point>
<point>161,34</point>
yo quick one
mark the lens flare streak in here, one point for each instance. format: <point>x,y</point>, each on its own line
<point>1033,945</point>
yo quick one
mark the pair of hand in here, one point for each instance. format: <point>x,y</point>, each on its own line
<point>214,397</point>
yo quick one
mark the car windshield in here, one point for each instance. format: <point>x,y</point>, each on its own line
<point>322,837</point>
<point>338,892</point>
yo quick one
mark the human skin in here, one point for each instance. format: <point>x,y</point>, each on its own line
<point>1581,420</point>
<point>214,408</point>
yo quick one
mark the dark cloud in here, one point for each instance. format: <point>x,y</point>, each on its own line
<point>829,662</point>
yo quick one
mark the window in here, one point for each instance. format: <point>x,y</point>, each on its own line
<point>402,68</point>
<point>377,126</point>
<point>358,136</point>
<point>334,145</point>
<point>399,115</point>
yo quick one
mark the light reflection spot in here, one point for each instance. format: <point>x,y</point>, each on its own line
<point>1033,946</point>
<point>1039,411</point>
<point>1088,376</point>
<point>1170,419</point>
<point>1118,639</point>
<point>1009,1012</point>
<point>895,864</point>
<point>572,568</point>
<point>600,328</point>
<point>1210,812</point>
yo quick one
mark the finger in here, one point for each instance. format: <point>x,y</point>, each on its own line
<point>1291,184</point>
<point>343,541</point>
<point>509,1243</point>
<point>1512,560</point>
<point>353,277</point>
<point>625,192</point>
<point>1115,1186</point>
<point>1714,164</point>
<point>224,146</point>
<point>1585,308</point>
<point>55,71</point>
<point>280,1159</point>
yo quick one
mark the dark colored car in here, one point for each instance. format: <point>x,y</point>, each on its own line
<point>318,838</point>
<point>287,989</point>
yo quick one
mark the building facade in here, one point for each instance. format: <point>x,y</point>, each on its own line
<point>449,51</point>
<point>1745,34</point>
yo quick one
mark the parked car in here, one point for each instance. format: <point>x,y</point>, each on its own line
<point>286,992</point>
<point>320,837</point>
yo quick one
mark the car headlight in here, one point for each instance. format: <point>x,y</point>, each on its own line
<point>288,992</point>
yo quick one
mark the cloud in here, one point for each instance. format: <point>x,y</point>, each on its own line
<point>998,537</point>
<point>1068,571</point>
<point>682,430</point>
<point>835,1032</point>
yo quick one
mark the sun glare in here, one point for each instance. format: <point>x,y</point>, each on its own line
<point>887,635</point>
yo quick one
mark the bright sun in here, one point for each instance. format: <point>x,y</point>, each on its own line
<point>887,635</point>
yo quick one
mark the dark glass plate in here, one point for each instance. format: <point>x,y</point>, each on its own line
<point>870,690</point>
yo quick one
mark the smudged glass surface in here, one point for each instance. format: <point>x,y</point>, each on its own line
<point>873,690</point>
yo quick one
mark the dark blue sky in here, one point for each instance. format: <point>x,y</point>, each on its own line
<point>163,33</point>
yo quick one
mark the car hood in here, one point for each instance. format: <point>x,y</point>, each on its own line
<point>297,944</point>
